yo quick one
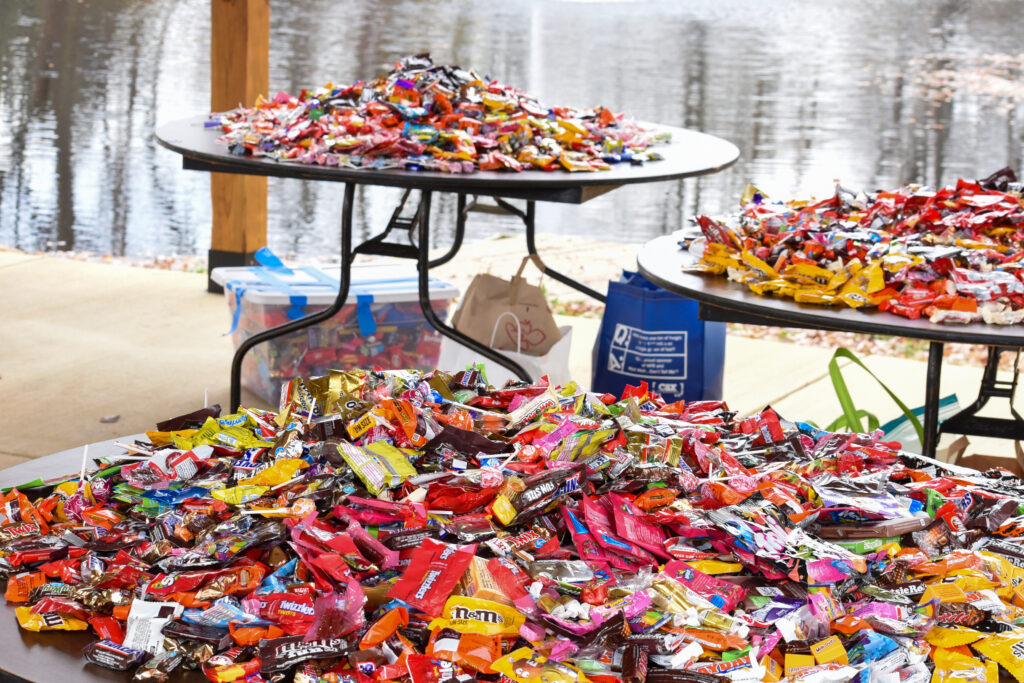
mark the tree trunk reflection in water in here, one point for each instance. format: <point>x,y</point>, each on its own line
<point>854,91</point>
<point>57,83</point>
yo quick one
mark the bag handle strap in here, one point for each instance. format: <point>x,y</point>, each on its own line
<point>535,259</point>
<point>519,330</point>
<point>522,267</point>
<point>518,277</point>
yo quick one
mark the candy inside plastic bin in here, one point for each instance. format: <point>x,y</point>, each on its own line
<point>381,323</point>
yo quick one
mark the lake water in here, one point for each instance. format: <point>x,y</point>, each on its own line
<point>873,93</point>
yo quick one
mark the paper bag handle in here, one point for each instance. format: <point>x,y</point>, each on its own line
<point>517,278</point>
<point>526,259</point>
<point>519,330</point>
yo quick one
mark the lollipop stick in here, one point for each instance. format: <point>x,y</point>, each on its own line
<point>286,483</point>
<point>260,511</point>
<point>133,447</point>
<point>85,457</point>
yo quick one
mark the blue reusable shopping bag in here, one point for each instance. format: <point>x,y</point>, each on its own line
<point>650,334</point>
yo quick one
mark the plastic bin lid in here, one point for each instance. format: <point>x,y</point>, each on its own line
<point>385,283</point>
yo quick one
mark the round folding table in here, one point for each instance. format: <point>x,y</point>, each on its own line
<point>690,153</point>
<point>662,260</point>
<point>57,655</point>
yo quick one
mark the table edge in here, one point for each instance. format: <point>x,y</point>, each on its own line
<point>434,180</point>
<point>817,316</point>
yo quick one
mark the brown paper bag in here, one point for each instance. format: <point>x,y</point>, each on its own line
<point>983,462</point>
<point>489,296</point>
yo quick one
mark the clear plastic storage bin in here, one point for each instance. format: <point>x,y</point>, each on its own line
<point>380,325</point>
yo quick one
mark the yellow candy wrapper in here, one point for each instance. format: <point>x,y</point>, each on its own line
<point>768,286</point>
<point>772,671</point>
<point>570,389</point>
<point>716,566</point>
<point>159,439</point>
<point>717,258</point>
<point>814,296</point>
<point>1007,649</point>
<point>331,388</point>
<point>238,495</point>
<point>972,580</point>
<point>829,650</point>
<point>895,262</point>
<point>582,444</point>
<point>748,194</point>
<point>215,433</point>
<point>953,667</point>
<point>942,592</point>
<point>526,666</point>
<point>1008,575</point>
<point>474,615</point>
<point>359,426</point>
<point>281,471</point>
<point>763,270</point>
<point>51,621</point>
<point>379,465</point>
<point>947,637</point>
<point>868,280</point>
<point>808,275</point>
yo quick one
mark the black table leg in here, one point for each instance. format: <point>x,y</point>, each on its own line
<point>460,233</point>
<point>423,266</point>
<point>291,326</point>
<point>931,399</point>
<point>528,218</point>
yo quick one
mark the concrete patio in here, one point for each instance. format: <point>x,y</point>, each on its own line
<point>85,341</point>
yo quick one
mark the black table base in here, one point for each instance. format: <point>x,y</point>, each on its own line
<point>663,262</point>
<point>690,154</point>
<point>967,421</point>
<point>417,248</point>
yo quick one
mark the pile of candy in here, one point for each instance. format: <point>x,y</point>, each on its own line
<point>403,338</point>
<point>421,116</point>
<point>953,256</point>
<point>392,526</point>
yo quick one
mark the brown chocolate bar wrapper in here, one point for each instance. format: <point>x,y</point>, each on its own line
<point>110,655</point>
<point>634,664</point>
<point>193,420</point>
<point>219,638</point>
<point>409,538</point>
<point>280,654</point>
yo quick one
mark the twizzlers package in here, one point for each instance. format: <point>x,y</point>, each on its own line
<point>433,573</point>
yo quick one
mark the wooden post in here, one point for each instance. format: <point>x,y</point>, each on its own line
<point>239,72</point>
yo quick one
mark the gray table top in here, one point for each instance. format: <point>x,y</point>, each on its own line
<point>661,261</point>
<point>57,655</point>
<point>689,154</point>
<point>65,462</point>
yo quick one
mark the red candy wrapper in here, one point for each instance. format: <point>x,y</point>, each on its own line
<point>424,669</point>
<point>433,573</point>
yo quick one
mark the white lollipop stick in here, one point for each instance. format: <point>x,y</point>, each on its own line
<point>260,511</point>
<point>286,483</point>
<point>132,447</point>
<point>85,457</point>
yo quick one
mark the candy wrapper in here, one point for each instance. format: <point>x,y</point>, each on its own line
<point>423,116</point>
<point>951,255</point>
<point>471,615</point>
<point>434,571</point>
<point>401,536</point>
